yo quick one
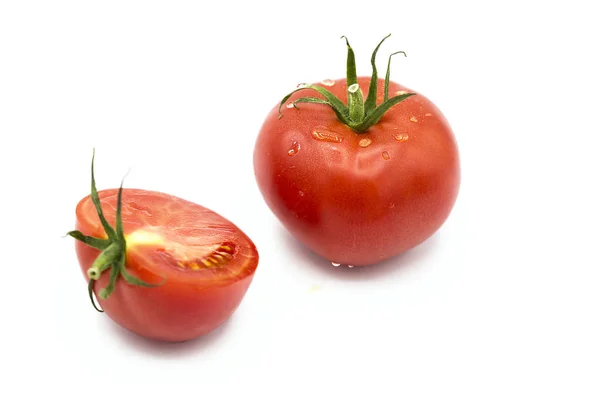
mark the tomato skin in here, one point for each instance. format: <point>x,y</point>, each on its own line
<point>354,202</point>
<point>179,309</point>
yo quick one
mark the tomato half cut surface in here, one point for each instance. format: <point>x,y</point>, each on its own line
<point>201,263</point>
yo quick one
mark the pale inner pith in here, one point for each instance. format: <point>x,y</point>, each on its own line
<point>195,257</point>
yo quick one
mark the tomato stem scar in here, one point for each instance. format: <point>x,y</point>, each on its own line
<point>359,114</point>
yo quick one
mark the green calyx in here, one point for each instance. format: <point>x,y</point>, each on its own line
<point>112,250</point>
<point>359,114</point>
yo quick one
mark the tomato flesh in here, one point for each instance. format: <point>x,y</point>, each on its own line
<point>354,198</point>
<point>204,263</point>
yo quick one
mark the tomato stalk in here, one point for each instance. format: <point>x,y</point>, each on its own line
<point>359,114</point>
<point>113,248</point>
<point>355,103</point>
<point>108,256</point>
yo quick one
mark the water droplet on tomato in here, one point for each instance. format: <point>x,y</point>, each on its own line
<point>385,155</point>
<point>289,105</point>
<point>365,142</point>
<point>401,137</point>
<point>353,88</point>
<point>326,136</point>
<point>328,82</point>
<point>428,114</point>
<point>301,193</point>
<point>413,119</point>
<point>335,264</point>
<point>294,148</point>
<point>400,92</point>
<point>350,266</point>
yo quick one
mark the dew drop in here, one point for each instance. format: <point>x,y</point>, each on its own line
<point>335,264</point>
<point>350,266</point>
<point>328,82</point>
<point>324,135</point>
<point>400,92</point>
<point>365,142</point>
<point>293,150</point>
<point>289,105</point>
<point>428,114</point>
<point>353,88</point>
<point>385,155</point>
<point>413,119</point>
<point>401,137</point>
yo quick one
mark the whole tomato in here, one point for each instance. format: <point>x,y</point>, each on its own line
<point>358,180</point>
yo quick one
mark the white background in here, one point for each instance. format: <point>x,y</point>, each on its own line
<point>502,303</point>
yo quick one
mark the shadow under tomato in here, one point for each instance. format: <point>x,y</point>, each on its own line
<point>395,265</point>
<point>167,349</point>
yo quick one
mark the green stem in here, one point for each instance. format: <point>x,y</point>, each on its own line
<point>113,254</point>
<point>380,111</point>
<point>96,243</point>
<point>371,101</point>
<point>336,104</point>
<point>386,89</point>
<point>351,77</point>
<point>355,103</point>
<point>96,200</point>
<point>91,294</point>
<point>108,257</point>
<point>359,114</point>
<point>114,274</point>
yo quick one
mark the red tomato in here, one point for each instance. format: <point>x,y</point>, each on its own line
<point>358,198</point>
<point>201,262</point>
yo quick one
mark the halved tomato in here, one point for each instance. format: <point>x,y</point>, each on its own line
<point>187,267</point>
